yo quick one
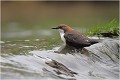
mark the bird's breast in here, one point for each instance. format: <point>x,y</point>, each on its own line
<point>62,35</point>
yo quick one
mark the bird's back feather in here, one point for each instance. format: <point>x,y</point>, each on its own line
<point>76,39</point>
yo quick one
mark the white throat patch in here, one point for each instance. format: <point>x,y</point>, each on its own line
<point>62,35</point>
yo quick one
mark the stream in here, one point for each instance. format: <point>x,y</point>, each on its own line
<point>99,61</point>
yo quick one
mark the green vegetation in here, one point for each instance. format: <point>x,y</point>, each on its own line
<point>110,28</point>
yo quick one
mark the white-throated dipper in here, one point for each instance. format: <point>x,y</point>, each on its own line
<point>74,38</point>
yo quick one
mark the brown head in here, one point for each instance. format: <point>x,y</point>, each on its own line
<point>64,27</point>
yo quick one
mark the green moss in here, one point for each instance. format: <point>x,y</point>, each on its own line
<point>111,27</point>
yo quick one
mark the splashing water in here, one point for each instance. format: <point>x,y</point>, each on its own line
<point>102,62</point>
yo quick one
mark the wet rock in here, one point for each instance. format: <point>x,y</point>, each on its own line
<point>52,74</point>
<point>60,68</point>
<point>108,50</point>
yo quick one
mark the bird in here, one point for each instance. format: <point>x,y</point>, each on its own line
<point>74,38</point>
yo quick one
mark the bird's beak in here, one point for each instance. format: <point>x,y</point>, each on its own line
<point>55,28</point>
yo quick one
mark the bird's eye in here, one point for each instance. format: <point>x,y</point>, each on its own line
<point>64,26</point>
<point>60,26</point>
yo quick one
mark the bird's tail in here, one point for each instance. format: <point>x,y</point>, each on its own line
<point>93,41</point>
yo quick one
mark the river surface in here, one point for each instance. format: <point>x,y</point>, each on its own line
<point>29,62</point>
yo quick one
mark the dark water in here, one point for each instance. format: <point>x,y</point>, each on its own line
<point>101,63</point>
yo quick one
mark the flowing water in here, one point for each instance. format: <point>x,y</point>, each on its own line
<point>29,62</point>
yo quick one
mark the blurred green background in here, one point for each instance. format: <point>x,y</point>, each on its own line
<point>34,19</point>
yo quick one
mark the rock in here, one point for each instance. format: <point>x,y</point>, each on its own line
<point>60,68</point>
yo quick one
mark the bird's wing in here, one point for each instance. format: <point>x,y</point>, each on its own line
<point>77,38</point>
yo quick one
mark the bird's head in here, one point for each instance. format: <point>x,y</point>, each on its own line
<point>64,27</point>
